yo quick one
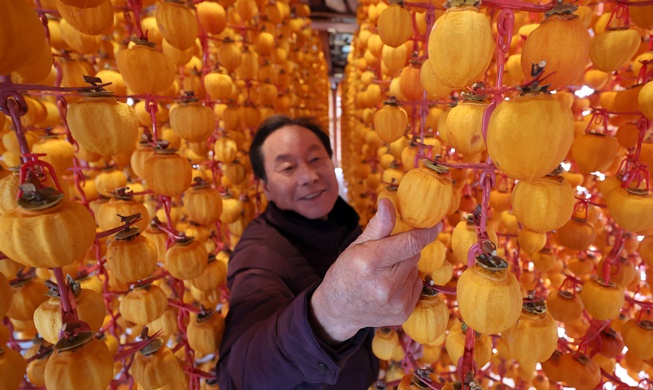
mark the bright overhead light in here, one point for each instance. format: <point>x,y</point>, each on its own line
<point>584,92</point>
<point>599,175</point>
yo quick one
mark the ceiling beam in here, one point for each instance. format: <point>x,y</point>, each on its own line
<point>323,14</point>
<point>325,25</point>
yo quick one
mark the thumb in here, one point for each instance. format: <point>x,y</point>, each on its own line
<point>381,224</point>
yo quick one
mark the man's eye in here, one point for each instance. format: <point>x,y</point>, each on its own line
<point>287,169</point>
<point>315,159</point>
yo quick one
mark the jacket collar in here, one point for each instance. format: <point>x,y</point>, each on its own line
<point>290,223</point>
<point>319,240</point>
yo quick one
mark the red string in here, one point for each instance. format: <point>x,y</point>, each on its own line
<point>13,343</point>
<point>466,362</point>
<point>599,118</point>
<point>13,103</point>
<point>181,305</point>
<point>581,207</point>
<point>592,332</point>
<point>126,225</point>
<point>415,32</point>
<point>621,13</point>
<point>643,124</point>
<point>34,166</point>
<point>634,301</point>
<point>135,347</point>
<point>409,362</point>
<point>136,6</point>
<point>182,321</point>
<point>614,253</point>
<point>644,74</point>
<point>199,374</point>
<point>152,107</point>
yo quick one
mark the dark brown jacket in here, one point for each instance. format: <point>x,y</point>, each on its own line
<point>273,271</point>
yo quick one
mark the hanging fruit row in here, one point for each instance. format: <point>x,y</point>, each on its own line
<point>126,125</point>
<point>526,126</point>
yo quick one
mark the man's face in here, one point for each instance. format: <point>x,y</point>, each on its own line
<point>300,173</point>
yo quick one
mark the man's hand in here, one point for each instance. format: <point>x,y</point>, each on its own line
<point>374,282</point>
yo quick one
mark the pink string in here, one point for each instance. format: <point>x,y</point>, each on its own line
<point>13,343</point>
<point>466,362</point>
<point>415,32</point>
<point>204,43</point>
<point>634,301</point>
<point>136,6</point>
<point>621,13</point>
<point>409,361</point>
<point>33,165</point>
<point>181,305</point>
<point>182,321</point>
<point>592,332</point>
<point>599,118</point>
<point>643,124</point>
<point>13,104</point>
<point>614,253</point>
<point>135,347</point>
<point>199,374</point>
<point>152,107</point>
<point>635,4</point>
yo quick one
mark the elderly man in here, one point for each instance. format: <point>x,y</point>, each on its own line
<point>306,285</point>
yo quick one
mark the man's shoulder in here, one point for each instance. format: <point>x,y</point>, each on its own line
<point>260,232</point>
<point>259,245</point>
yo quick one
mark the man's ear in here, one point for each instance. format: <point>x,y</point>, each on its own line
<point>266,188</point>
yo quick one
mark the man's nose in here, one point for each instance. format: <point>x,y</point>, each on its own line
<point>307,174</point>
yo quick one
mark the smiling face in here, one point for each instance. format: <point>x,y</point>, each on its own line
<point>300,173</point>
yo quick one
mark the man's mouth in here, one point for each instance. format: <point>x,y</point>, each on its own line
<point>312,195</point>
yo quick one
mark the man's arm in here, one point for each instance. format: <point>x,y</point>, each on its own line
<point>269,341</point>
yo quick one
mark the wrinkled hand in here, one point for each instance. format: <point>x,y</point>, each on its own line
<point>374,282</point>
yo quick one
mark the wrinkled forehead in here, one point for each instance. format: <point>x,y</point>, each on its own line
<point>290,141</point>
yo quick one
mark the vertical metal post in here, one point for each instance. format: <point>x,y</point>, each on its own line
<point>335,123</point>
